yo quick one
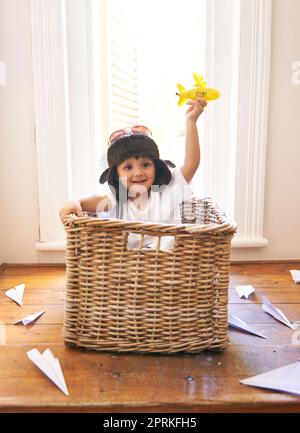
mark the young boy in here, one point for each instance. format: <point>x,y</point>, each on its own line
<point>142,186</point>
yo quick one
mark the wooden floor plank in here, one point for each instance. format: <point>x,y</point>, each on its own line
<point>33,334</point>
<point>35,297</point>
<point>104,380</point>
<point>204,382</point>
<point>53,315</point>
<point>278,295</point>
<point>254,314</point>
<point>276,334</point>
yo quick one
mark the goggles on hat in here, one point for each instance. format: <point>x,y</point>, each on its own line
<point>132,130</point>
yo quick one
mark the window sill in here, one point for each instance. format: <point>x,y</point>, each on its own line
<point>51,246</point>
<point>249,242</point>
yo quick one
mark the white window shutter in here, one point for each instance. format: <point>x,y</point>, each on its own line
<point>123,71</point>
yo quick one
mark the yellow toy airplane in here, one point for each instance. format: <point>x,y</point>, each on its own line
<point>199,91</point>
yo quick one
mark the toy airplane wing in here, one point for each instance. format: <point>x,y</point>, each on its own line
<point>199,82</point>
<point>180,87</point>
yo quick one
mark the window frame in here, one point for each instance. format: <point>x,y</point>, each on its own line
<point>68,110</point>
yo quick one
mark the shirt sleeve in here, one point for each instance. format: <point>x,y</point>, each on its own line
<point>112,213</point>
<point>178,180</point>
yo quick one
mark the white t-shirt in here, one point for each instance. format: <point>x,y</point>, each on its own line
<point>163,206</point>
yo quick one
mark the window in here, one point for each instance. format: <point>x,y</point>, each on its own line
<point>96,46</point>
<point>153,46</point>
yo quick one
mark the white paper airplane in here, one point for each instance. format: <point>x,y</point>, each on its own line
<point>16,293</point>
<point>50,366</point>
<point>30,318</point>
<point>238,323</point>
<point>275,312</point>
<point>285,379</point>
<point>295,275</point>
<point>244,290</point>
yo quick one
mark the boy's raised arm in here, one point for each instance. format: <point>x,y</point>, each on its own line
<point>192,146</point>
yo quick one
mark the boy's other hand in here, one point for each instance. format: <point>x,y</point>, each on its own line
<point>196,107</point>
<point>71,207</point>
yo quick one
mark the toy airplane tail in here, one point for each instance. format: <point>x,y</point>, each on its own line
<point>182,99</point>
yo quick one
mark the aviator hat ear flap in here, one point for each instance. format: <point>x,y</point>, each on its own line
<point>163,174</point>
<point>169,163</point>
<point>105,175</point>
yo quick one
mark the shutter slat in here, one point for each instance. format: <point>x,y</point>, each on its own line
<point>129,60</point>
<point>118,85</point>
<point>123,73</point>
<point>124,90</point>
<point>124,110</point>
<point>123,69</point>
<point>123,102</point>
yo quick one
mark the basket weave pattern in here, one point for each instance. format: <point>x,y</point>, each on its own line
<point>149,300</point>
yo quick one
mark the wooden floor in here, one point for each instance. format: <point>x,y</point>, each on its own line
<point>206,382</point>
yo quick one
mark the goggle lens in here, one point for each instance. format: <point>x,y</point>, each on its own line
<point>133,130</point>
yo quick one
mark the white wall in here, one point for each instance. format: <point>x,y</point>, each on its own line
<point>282,194</point>
<point>18,172</point>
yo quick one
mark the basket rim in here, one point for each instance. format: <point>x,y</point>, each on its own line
<point>226,225</point>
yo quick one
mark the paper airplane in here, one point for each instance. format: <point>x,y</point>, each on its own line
<point>16,293</point>
<point>295,275</point>
<point>30,318</point>
<point>50,366</point>
<point>238,323</point>
<point>285,379</point>
<point>244,291</point>
<point>275,312</point>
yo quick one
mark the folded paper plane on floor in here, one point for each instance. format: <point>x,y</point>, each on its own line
<point>28,319</point>
<point>269,308</point>
<point>16,294</point>
<point>238,323</point>
<point>295,275</point>
<point>50,366</point>
<point>244,290</point>
<point>285,379</point>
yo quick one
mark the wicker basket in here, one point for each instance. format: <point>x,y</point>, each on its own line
<point>149,300</point>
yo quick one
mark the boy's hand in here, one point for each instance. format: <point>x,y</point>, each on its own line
<point>196,107</point>
<point>69,208</point>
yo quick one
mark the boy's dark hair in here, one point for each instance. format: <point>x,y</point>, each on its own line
<point>134,146</point>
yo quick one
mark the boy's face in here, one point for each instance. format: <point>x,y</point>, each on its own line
<point>137,174</point>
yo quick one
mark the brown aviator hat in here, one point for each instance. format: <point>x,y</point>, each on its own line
<point>125,144</point>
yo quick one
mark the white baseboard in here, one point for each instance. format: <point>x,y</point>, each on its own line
<point>249,242</point>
